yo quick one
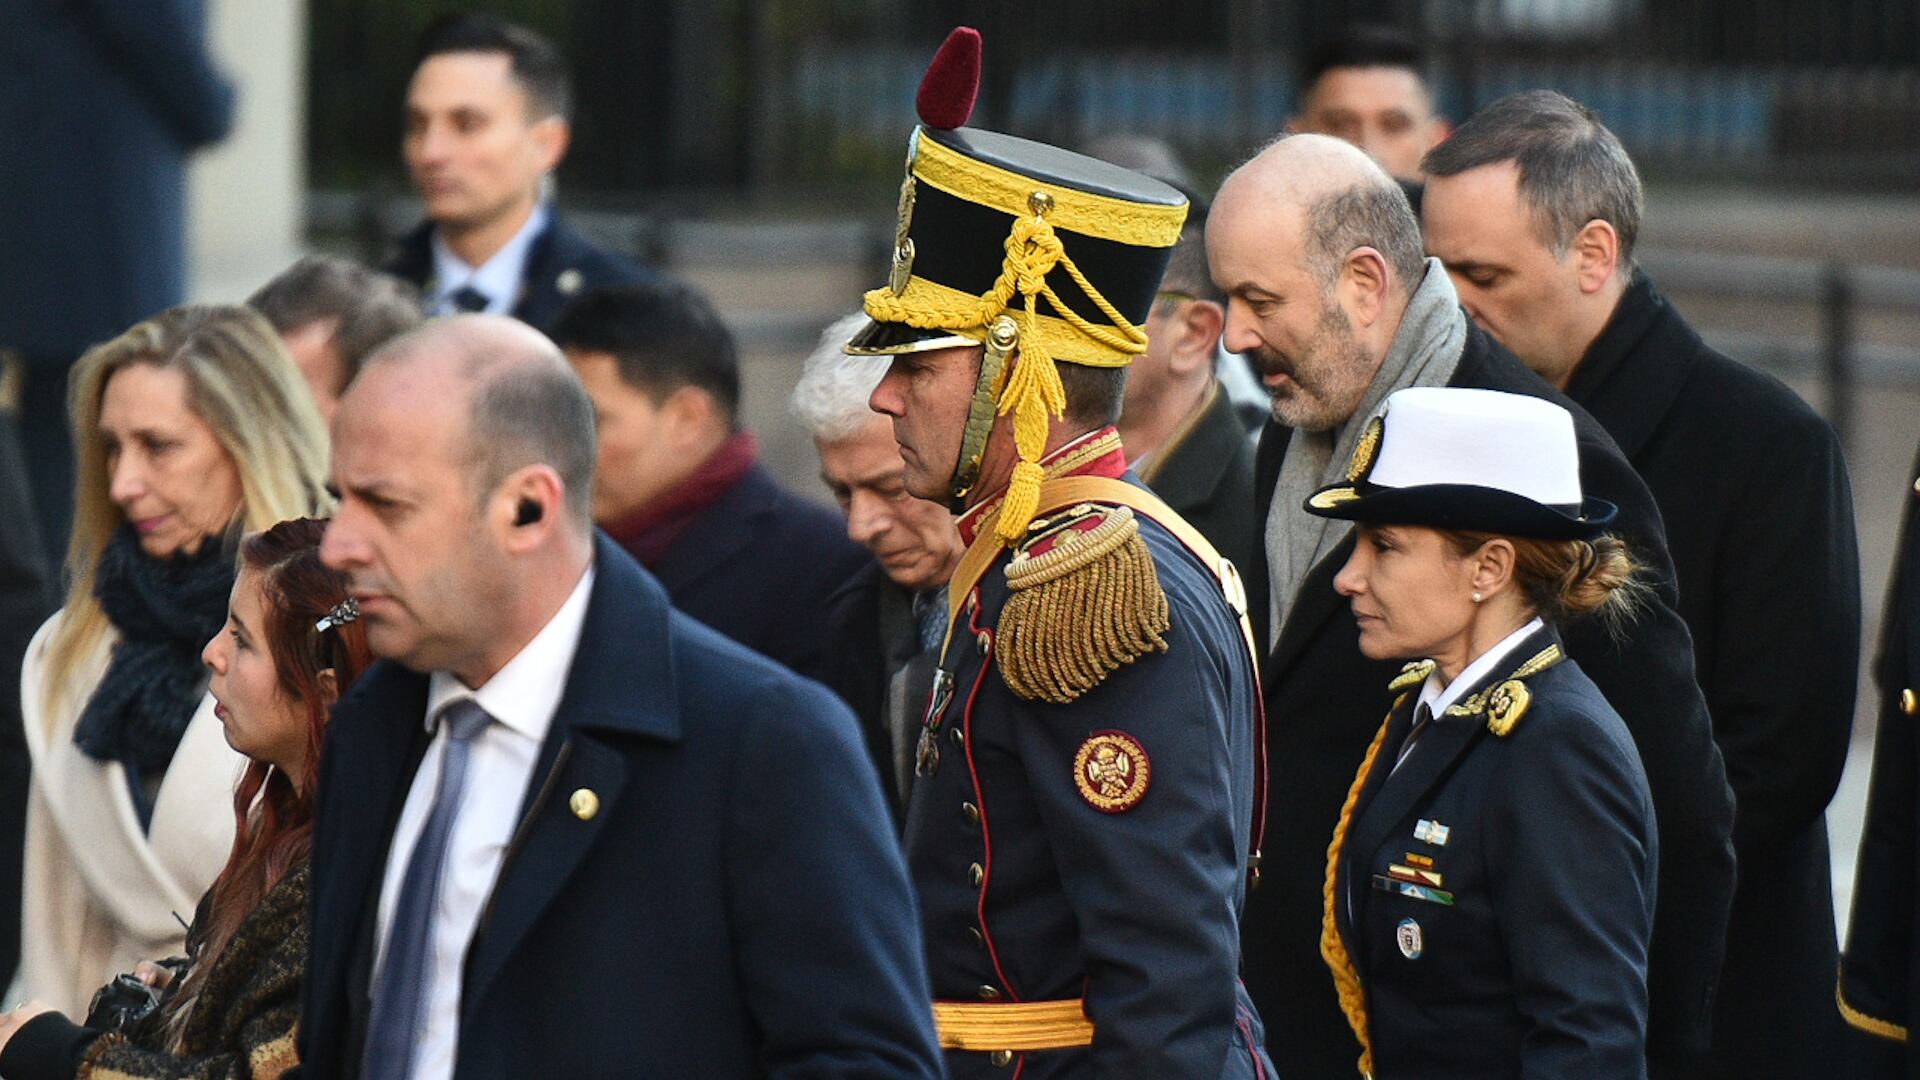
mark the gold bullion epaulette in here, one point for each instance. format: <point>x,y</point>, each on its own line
<point>1084,599</point>
<point>1506,701</point>
<point>1411,676</point>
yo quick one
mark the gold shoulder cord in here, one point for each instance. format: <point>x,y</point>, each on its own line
<point>1333,949</point>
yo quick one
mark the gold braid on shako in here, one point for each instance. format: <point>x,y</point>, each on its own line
<point>1020,246</point>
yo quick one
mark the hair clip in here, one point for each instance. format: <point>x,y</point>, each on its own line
<point>343,613</point>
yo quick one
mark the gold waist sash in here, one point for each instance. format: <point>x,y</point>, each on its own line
<point>1012,1025</point>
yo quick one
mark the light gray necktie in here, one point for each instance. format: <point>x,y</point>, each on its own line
<point>405,979</point>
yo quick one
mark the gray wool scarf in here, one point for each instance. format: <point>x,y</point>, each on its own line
<point>1425,351</point>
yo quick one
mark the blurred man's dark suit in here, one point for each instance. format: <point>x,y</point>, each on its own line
<point>101,103</point>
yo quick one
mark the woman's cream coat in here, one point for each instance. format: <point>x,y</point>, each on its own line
<point>99,894</point>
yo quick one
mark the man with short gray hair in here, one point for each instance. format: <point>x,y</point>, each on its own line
<point>1534,206</point>
<point>1329,297</point>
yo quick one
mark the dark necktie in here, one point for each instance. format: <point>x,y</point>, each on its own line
<point>405,979</point>
<point>1422,718</point>
<point>468,300</point>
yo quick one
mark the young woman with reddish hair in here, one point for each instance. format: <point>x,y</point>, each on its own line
<point>229,1007</point>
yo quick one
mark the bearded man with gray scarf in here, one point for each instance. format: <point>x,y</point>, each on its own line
<point>1331,300</point>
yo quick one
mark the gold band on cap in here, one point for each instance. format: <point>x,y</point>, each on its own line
<point>1108,218</point>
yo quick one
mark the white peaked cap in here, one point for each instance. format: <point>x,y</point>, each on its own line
<point>1484,438</point>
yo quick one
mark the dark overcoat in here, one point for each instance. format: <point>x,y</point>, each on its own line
<point>561,264</point>
<point>858,656</point>
<point>1205,472</point>
<point>1879,991</point>
<point>758,566</point>
<point>1521,948</point>
<point>1759,512</point>
<point>25,602</point>
<point>737,907</point>
<point>1325,701</point>
<point>101,103</point>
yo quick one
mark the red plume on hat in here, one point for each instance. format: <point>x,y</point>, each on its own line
<point>952,81</point>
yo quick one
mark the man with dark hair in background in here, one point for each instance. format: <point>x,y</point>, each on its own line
<point>1327,291</point>
<point>1368,85</point>
<point>680,484</point>
<point>1180,429</point>
<point>486,124</point>
<point>1534,207</point>
<point>332,313</point>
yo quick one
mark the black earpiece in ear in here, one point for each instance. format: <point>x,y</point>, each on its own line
<point>528,512</point>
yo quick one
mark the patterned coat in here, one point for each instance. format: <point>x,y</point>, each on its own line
<point>241,1028</point>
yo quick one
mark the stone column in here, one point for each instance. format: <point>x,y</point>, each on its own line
<point>247,196</point>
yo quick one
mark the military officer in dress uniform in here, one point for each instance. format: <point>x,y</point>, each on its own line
<point>1879,984</point>
<point>1490,885</point>
<point>1082,822</point>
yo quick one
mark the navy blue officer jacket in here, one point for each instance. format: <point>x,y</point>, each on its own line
<point>733,905</point>
<point>1879,983</point>
<point>1495,893</point>
<point>1031,892</point>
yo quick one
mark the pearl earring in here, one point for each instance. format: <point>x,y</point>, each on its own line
<point>1477,598</point>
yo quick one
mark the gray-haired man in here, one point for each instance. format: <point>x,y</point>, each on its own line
<point>884,625</point>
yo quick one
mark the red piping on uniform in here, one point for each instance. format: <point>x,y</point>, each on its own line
<point>1246,1036</point>
<point>986,835</point>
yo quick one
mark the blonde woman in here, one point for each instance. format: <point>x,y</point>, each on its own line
<point>189,427</point>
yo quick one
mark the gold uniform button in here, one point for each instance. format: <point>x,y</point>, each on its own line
<point>989,992</point>
<point>970,812</point>
<point>1909,702</point>
<point>976,874</point>
<point>975,938</point>
<point>959,737</point>
<point>1002,1057</point>
<point>984,640</point>
<point>584,804</point>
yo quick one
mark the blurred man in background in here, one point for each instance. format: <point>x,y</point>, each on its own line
<point>101,106</point>
<point>332,313</point>
<point>1176,421</point>
<point>1368,85</point>
<point>680,484</point>
<point>486,126</point>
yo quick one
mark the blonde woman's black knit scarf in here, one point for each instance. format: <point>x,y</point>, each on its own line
<point>164,610</point>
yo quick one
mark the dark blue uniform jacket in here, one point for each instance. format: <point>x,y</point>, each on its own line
<point>1030,893</point>
<point>1537,967</point>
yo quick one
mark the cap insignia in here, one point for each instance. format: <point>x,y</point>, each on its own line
<point>1365,451</point>
<point>1112,771</point>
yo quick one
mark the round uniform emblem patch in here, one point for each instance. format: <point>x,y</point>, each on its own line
<point>1407,936</point>
<point>1112,771</point>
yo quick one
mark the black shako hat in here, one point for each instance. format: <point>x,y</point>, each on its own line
<point>1474,460</point>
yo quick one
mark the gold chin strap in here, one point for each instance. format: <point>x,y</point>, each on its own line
<point>1003,336</point>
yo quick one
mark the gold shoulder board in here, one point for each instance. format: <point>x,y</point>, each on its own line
<point>1085,600</point>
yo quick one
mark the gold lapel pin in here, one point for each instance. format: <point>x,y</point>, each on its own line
<point>584,804</point>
